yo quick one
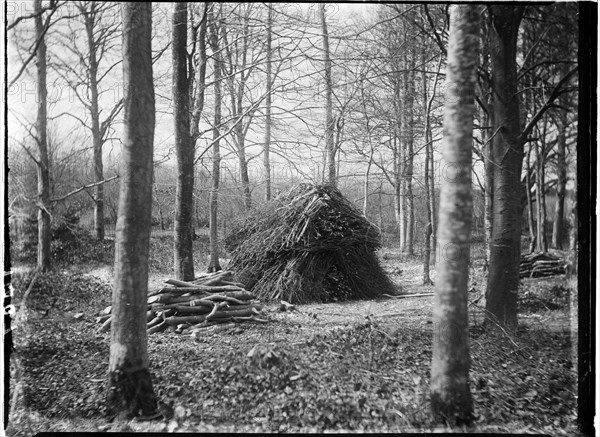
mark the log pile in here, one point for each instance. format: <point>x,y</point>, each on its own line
<point>536,265</point>
<point>196,305</point>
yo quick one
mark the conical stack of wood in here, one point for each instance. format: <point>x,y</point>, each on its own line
<point>197,305</point>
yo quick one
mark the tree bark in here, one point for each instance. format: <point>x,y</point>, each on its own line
<point>409,96</point>
<point>561,165</point>
<point>268,104</point>
<point>130,392</point>
<point>214,265</point>
<point>184,146</point>
<point>530,219</point>
<point>329,123</point>
<point>42,163</point>
<point>507,158</point>
<point>451,400</point>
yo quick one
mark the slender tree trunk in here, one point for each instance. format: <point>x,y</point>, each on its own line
<point>505,241</point>
<point>531,221</point>
<point>561,164</point>
<point>97,140</point>
<point>488,167</point>
<point>409,96</point>
<point>451,400</point>
<point>214,265</point>
<point>540,198</point>
<point>184,147</point>
<point>428,226</point>
<point>268,104</point>
<point>130,392</point>
<point>329,123</point>
<point>200,86</point>
<point>43,162</point>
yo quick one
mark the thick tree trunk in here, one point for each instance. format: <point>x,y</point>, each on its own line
<point>505,241</point>
<point>184,147</point>
<point>451,400</point>
<point>561,164</point>
<point>130,392</point>
<point>43,162</point>
<point>329,123</point>
<point>214,265</point>
<point>268,104</point>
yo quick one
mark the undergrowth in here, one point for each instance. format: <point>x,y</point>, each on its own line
<point>366,377</point>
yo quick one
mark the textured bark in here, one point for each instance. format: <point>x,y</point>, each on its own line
<point>130,392</point>
<point>184,147</point>
<point>507,156</point>
<point>329,123</point>
<point>561,164</point>
<point>268,104</point>
<point>42,163</point>
<point>541,245</point>
<point>451,400</point>
<point>409,97</point>
<point>214,265</point>
<point>530,219</point>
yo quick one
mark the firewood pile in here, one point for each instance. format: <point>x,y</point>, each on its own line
<point>197,305</point>
<point>310,244</point>
<point>536,265</point>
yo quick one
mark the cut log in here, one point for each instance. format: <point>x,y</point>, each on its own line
<point>158,328</point>
<point>175,320</point>
<point>156,321</point>
<point>105,326</point>
<point>102,319</point>
<point>406,296</point>
<point>215,278</point>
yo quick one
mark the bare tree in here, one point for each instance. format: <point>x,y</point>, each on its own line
<point>42,161</point>
<point>184,145</point>
<point>214,264</point>
<point>130,392</point>
<point>268,103</point>
<point>329,123</point>
<point>451,400</point>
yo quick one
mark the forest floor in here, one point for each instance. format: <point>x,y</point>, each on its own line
<point>339,367</point>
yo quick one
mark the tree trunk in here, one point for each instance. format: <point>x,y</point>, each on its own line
<point>507,156</point>
<point>130,392</point>
<point>268,104</point>
<point>541,245</point>
<point>561,164</point>
<point>97,140</point>
<point>530,219</point>
<point>43,162</point>
<point>409,96</point>
<point>451,400</point>
<point>214,265</point>
<point>489,189</point>
<point>329,123</point>
<point>184,147</point>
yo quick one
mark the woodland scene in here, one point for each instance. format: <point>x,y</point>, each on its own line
<point>298,217</point>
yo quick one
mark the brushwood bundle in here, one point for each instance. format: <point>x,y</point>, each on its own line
<point>308,245</point>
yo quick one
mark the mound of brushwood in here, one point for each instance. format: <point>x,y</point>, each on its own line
<point>308,245</point>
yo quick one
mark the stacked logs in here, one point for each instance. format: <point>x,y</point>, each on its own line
<point>540,264</point>
<point>196,305</point>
